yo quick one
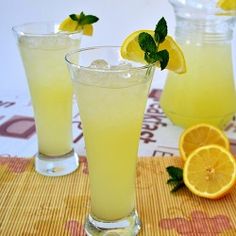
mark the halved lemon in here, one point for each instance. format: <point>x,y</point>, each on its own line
<point>70,25</point>
<point>210,171</point>
<point>227,4</point>
<point>131,50</point>
<point>200,135</point>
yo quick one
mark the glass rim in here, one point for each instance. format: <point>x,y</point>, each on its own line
<point>18,29</point>
<point>213,11</point>
<point>77,51</point>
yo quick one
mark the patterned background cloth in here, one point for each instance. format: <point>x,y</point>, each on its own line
<point>159,137</point>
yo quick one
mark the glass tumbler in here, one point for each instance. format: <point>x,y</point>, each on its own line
<point>111,95</point>
<point>43,47</point>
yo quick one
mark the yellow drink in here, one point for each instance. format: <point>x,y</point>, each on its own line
<point>51,90</point>
<point>111,95</point>
<point>112,116</point>
<point>206,93</point>
<point>43,50</point>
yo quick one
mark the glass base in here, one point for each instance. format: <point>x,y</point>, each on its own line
<point>56,166</point>
<point>128,226</point>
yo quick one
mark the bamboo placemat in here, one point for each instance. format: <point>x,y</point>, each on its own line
<point>31,204</point>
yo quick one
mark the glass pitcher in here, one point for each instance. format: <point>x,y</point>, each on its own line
<point>206,92</point>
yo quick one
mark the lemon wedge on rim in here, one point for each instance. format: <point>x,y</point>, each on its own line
<point>79,23</point>
<point>131,50</point>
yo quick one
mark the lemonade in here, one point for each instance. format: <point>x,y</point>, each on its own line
<point>51,90</point>
<point>112,113</point>
<point>43,46</point>
<point>206,93</point>
<point>111,85</point>
<point>111,95</point>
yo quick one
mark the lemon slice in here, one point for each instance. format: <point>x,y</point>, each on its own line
<point>200,135</point>
<point>227,4</point>
<point>131,50</point>
<point>80,22</point>
<point>88,30</point>
<point>70,25</point>
<point>210,171</point>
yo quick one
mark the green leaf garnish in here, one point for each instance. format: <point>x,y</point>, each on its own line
<point>163,58</point>
<point>147,43</point>
<point>176,178</point>
<point>161,30</point>
<point>175,172</point>
<point>89,19</point>
<point>150,57</point>
<point>177,187</point>
<point>83,19</point>
<point>82,15</point>
<point>150,44</point>
<point>74,17</point>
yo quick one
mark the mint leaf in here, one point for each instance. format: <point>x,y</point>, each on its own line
<point>161,30</point>
<point>89,19</point>
<point>163,56</point>
<point>175,173</point>
<point>153,57</point>
<point>150,57</point>
<point>177,187</point>
<point>81,15</point>
<point>172,181</point>
<point>176,178</point>
<point>84,19</point>
<point>147,42</point>
<point>74,17</point>
<point>150,44</point>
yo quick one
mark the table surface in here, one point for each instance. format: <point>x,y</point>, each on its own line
<point>31,204</point>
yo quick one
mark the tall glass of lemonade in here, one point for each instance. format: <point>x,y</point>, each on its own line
<point>43,47</point>
<point>111,96</point>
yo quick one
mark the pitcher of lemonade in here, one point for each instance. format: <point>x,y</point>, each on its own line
<point>206,92</point>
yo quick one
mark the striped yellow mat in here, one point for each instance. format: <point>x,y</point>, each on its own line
<point>31,204</point>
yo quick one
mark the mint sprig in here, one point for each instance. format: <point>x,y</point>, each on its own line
<point>176,178</point>
<point>74,17</point>
<point>150,44</point>
<point>161,30</point>
<point>163,58</point>
<point>83,19</point>
<point>147,43</point>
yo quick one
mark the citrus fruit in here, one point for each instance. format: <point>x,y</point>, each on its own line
<point>88,30</point>
<point>227,4</point>
<point>131,50</point>
<point>210,171</point>
<point>79,22</point>
<point>200,135</point>
<point>70,25</point>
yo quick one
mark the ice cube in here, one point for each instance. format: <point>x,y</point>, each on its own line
<point>123,65</point>
<point>99,64</point>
